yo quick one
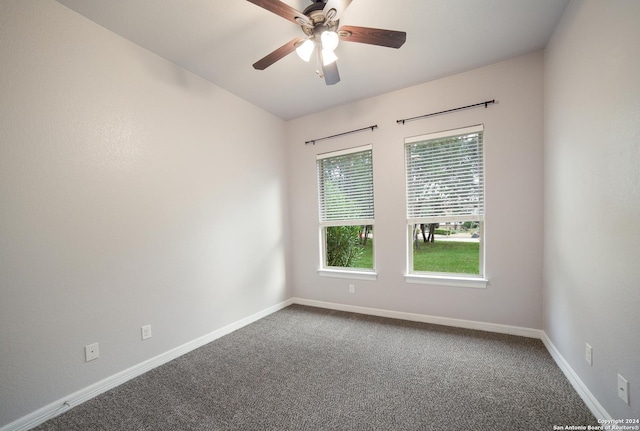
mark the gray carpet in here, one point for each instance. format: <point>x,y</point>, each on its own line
<point>305,368</point>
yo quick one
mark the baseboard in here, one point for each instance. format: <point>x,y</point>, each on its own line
<point>589,399</point>
<point>58,407</point>
<point>446,321</point>
<point>54,409</point>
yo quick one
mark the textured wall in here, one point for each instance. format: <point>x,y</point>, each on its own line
<point>131,193</point>
<point>514,192</point>
<point>592,196</point>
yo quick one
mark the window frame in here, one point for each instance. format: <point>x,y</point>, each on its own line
<point>445,278</point>
<point>339,271</point>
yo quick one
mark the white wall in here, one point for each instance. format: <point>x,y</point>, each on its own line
<point>592,196</point>
<point>131,192</point>
<point>514,193</point>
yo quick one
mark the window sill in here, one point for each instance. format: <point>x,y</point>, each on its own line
<point>343,273</point>
<point>447,280</point>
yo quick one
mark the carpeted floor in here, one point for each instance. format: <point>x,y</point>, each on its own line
<point>305,368</point>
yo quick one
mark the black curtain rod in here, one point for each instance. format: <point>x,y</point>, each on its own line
<point>486,103</point>
<point>313,141</point>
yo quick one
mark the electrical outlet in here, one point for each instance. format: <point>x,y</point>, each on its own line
<point>352,288</point>
<point>623,389</point>
<point>91,352</point>
<point>146,332</point>
<point>588,354</point>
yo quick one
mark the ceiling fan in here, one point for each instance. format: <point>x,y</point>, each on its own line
<point>320,24</point>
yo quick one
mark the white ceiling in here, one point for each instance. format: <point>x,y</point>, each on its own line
<point>219,40</point>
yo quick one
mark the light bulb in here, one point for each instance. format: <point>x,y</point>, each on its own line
<point>329,40</point>
<point>328,57</point>
<point>305,50</point>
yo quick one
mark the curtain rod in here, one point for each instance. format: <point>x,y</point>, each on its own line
<point>485,103</point>
<point>313,141</point>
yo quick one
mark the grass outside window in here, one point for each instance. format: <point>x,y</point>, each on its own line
<point>438,256</point>
<point>448,256</point>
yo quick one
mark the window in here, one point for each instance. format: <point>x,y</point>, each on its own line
<point>345,201</point>
<point>445,207</point>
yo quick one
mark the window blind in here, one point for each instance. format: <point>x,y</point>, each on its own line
<point>345,186</point>
<point>445,176</point>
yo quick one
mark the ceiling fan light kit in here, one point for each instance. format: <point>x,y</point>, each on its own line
<point>328,57</point>
<point>320,24</point>
<point>329,40</point>
<point>305,49</point>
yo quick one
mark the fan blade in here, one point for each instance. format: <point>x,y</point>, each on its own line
<point>372,36</point>
<point>276,55</point>
<point>334,8</point>
<point>284,10</point>
<point>330,72</point>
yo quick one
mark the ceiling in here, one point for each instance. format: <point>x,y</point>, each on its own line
<point>219,40</point>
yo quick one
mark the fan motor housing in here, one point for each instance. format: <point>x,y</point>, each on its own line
<point>315,13</point>
<point>317,5</point>
<point>320,24</point>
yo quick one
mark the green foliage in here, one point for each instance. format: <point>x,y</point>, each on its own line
<point>442,231</point>
<point>366,258</point>
<point>343,245</point>
<point>470,225</point>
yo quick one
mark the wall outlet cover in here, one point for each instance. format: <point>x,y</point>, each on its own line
<point>623,389</point>
<point>588,354</point>
<point>91,352</point>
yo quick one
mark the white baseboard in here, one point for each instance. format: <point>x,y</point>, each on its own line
<point>54,409</point>
<point>446,321</point>
<point>589,399</point>
<point>58,407</point>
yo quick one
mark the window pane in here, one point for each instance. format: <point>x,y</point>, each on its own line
<point>449,248</point>
<point>445,176</point>
<point>349,246</point>
<point>345,186</point>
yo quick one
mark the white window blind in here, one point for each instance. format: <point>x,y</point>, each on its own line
<point>445,176</point>
<point>345,186</point>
